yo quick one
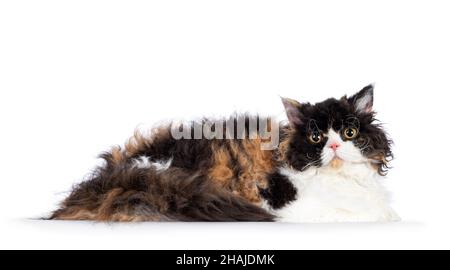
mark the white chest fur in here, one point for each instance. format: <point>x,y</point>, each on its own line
<point>351,193</point>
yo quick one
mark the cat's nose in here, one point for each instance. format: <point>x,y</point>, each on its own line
<point>334,146</point>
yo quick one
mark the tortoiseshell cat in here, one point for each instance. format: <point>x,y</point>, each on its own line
<point>325,169</point>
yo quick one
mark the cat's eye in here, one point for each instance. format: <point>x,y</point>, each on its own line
<point>315,137</point>
<point>350,133</point>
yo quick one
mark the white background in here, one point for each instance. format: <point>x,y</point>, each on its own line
<point>77,77</point>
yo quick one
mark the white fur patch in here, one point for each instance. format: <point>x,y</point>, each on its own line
<point>351,193</point>
<point>144,162</point>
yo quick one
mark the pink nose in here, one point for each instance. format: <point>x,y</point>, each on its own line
<point>334,146</point>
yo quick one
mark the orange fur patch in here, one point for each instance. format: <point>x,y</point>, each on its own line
<point>221,171</point>
<point>249,171</point>
<point>284,145</point>
<point>381,160</point>
<point>117,155</point>
<point>76,214</point>
<point>135,143</point>
<point>105,210</point>
<point>336,163</point>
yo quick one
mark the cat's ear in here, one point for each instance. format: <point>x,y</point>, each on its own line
<point>363,100</point>
<point>292,108</point>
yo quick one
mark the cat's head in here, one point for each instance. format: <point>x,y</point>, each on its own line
<point>331,131</point>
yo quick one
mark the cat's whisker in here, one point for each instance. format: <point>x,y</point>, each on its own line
<point>315,162</point>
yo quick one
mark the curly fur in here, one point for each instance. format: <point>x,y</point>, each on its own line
<point>160,178</point>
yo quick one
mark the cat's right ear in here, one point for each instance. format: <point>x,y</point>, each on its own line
<point>292,108</point>
<point>363,100</point>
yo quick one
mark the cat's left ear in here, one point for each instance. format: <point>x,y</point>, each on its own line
<point>292,108</point>
<point>363,100</point>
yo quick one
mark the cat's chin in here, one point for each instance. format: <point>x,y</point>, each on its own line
<point>336,163</point>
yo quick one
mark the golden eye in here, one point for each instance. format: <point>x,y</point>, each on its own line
<point>350,133</point>
<point>315,137</point>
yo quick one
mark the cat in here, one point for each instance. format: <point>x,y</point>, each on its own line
<point>326,168</point>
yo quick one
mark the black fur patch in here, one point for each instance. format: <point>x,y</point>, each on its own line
<point>280,191</point>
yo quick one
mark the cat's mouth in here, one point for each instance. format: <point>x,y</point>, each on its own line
<point>333,160</point>
<point>336,162</point>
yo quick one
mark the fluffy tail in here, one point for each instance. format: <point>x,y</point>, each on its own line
<point>123,192</point>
